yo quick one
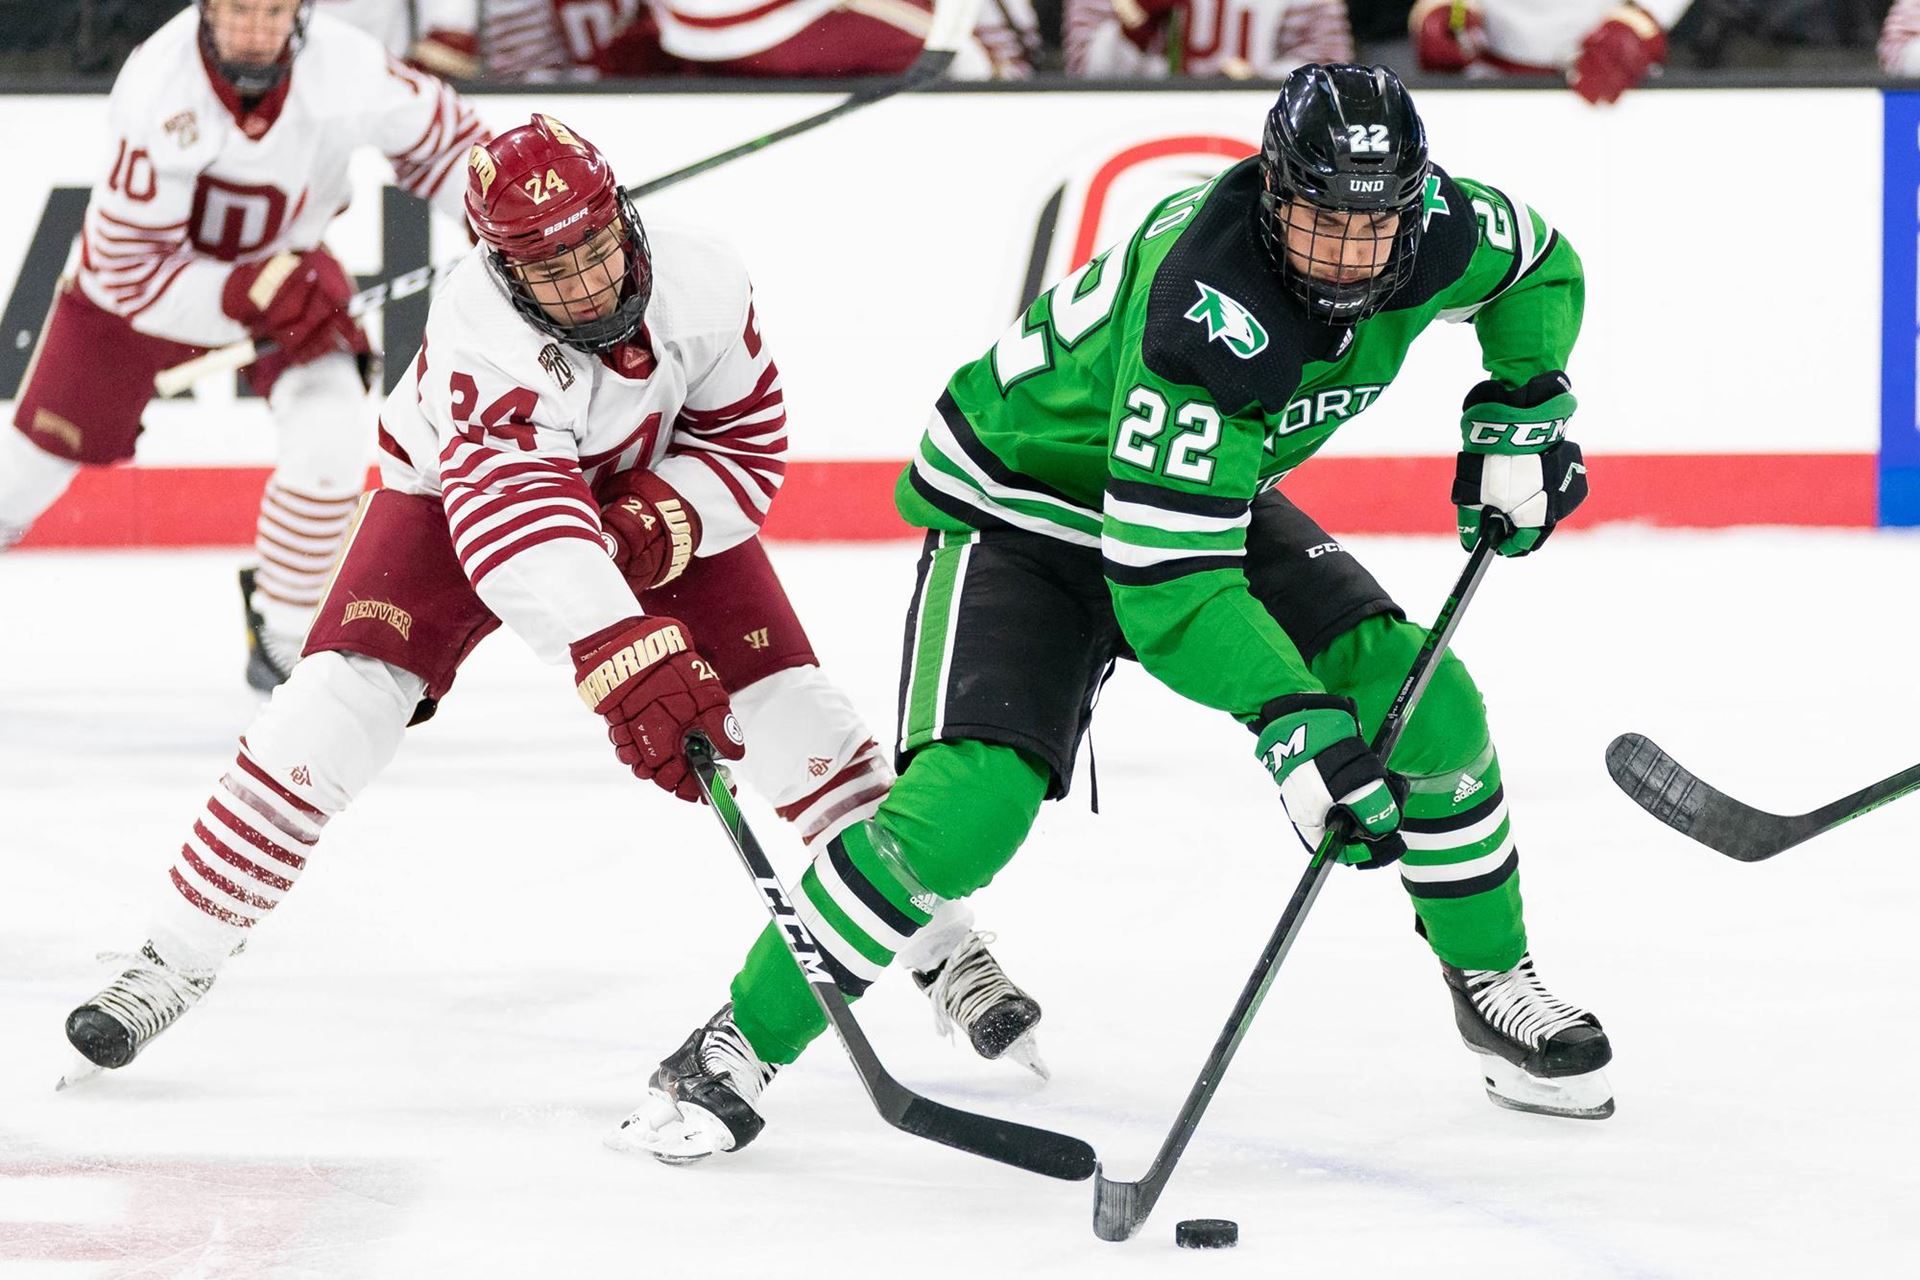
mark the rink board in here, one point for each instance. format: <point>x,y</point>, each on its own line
<point>893,245</point>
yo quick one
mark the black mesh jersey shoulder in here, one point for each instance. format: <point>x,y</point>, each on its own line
<point>1221,249</point>
<point>1446,248</point>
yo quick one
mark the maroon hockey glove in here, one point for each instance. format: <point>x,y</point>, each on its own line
<point>644,677</point>
<point>297,301</point>
<point>1448,35</point>
<point>1618,54</point>
<point>651,531</point>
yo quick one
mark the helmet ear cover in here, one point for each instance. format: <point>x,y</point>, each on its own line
<point>1345,139</point>
<point>252,79</point>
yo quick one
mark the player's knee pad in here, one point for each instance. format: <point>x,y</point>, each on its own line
<point>338,720</point>
<point>961,810</point>
<point>1448,729</point>
<point>325,427</point>
<point>30,480</point>
<point>809,752</point>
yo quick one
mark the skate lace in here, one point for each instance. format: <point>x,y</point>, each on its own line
<point>148,996</point>
<point>724,1051</point>
<point>1515,1003</point>
<point>970,983</point>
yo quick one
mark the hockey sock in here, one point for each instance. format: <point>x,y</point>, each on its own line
<point>30,481</point>
<point>951,822</point>
<point>296,539</point>
<point>329,730</point>
<point>1462,869</point>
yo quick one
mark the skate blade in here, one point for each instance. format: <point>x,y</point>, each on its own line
<point>79,1071</point>
<point>1581,1097</point>
<point>669,1133</point>
<point>1027,1053</point>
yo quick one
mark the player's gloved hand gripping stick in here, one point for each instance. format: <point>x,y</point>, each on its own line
<point>952,23</point>
<point>1120,1207</point>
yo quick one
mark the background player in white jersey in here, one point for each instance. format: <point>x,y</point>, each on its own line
<point>1237,39</point>
<point>1602,47</point>
<point>232,130</point>
<point>584,448</point>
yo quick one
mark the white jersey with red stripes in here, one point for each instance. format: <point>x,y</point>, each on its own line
<point>196,183</point>
<point>511,429</point>
<point>1529,33</point>
<point>1234,38</point>
<point>551,39</point>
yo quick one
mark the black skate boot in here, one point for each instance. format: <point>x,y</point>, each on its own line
<point>111,1029</point>
<point>701,1099</point>
<point>970,990</point>
<point>1538,1053</point>
<point>268,662</point>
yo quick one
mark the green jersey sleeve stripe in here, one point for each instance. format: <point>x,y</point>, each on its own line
<point>1153,575</point>
<point>1194,504</point>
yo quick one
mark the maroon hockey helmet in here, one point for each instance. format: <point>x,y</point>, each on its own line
<point>541,195</point>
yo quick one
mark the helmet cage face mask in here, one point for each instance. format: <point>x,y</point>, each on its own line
<point>1343,139</point>
<point>255,79</point>
<point>594,335</point>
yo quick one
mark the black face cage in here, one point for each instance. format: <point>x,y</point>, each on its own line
<point>603,333</point>
<point>1289,181</point>
<point>250,79</point>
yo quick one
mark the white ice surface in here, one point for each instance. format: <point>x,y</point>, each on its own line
<point>410,1070</point>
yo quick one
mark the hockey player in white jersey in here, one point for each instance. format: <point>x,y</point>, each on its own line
<point>1602,47</point>
<point>232,129</point>
<point>584,448</point>
<point>1232,39</point>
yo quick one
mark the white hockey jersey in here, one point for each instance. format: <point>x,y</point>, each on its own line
<point>1233,38</point>
<point>1548,33</point>
<point>196,184</point>
<point>511,430</point>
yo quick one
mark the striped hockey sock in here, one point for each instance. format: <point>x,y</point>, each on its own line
<point>1462,868</point>
<point>241,857</point>
<point>297,538</point>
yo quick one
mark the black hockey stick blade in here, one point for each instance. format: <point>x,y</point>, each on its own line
<point>1120,1207</point>
<point>1053,1155</point>
<point>1676,796</point>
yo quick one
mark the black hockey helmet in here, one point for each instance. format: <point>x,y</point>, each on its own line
<point>255,79</point>
<point>1343,138</point>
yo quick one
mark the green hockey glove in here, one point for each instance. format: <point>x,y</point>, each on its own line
<point>1517,461</point>
<point>1311,744</point>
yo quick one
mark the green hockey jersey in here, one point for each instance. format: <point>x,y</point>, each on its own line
<point>1139,405</point>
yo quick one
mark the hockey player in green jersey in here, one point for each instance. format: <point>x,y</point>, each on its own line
<point>1103,484</point>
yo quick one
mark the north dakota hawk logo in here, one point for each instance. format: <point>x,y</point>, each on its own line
<point>1228,321</point>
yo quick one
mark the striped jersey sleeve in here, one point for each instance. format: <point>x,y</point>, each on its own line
<point>524,525</point>
<point>1900,39</point>
<point>728,451</point>
<point>425,129</point>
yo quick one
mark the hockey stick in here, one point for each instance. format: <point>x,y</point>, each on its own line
<point>1120,1207</point>
<point>1670,792</point>
<point>952,23</point>
<point>1037,1150</point>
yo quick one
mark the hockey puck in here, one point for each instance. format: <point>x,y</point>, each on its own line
<point>1207,1233</point>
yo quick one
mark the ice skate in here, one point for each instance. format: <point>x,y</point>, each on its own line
<point>1537,1053</point>
<point>701,1100</point>
<point>149,996</point>
<point>270,656</point>
<point>970,990</point>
